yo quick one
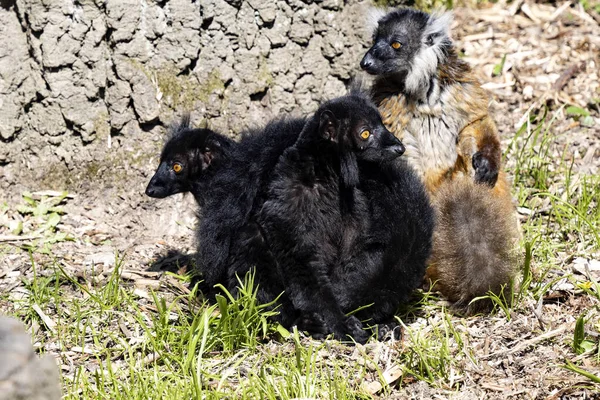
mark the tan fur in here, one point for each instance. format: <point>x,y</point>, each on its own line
<point>431,132</point>
<point>474,242</point>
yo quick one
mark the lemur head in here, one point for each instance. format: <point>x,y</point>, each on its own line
<point>408,46</point>
<point>352,124</point>
<point>188,157</point>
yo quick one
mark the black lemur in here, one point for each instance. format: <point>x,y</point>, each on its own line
<point>348,222</point>
<point>227,179</point>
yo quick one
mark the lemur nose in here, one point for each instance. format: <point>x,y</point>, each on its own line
<point>366,63</point>
<point>399,149</point>
<point>150,191</point>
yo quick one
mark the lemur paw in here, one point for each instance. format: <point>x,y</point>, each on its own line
<point>388,330</point>
<point>352,327</point>
<point>486,172</point>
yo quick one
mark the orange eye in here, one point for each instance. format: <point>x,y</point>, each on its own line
<point>396,45</point>
<point>177,168</point>
<point>365,134</point>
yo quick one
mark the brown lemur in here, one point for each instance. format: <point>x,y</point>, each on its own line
<point>432,101</point>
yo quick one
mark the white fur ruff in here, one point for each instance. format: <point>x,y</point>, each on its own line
<point>428,58</point>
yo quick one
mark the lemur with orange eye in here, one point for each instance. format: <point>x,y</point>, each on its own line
<point>323,208</point>
<point>348,221</point>
<point>228,181</point>
<point>431,100</point>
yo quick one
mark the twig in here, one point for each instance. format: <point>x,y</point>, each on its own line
<point>523,345</point>
<point>559,11</point>
<point>566,75</point>
<point>149,359</point>
<point>537,311</point>
<point>52,193</point>
<point>389,376</point>
<point>494,387</point>
<point>581,13</point>
<point>515,7</point>
<point>15,238</point>
<point>49,323</point>
<point>529,13</point>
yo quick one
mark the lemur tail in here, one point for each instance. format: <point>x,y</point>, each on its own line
<point>475,244</point>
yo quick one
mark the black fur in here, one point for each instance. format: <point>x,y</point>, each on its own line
<point>228,181</point>
<point>486,172</point>
<point>348,223</point>
<point>396,246</point>
<point>199,153</point>
<point>405,26</point>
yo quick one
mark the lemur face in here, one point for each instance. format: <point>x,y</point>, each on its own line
<point>354,122</point>
<point>396,40</point>
<point>186,158</point>
<point>408,46</point>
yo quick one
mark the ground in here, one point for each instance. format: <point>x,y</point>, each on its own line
<point>86,270</point>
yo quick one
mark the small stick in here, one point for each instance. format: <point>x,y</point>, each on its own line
<point>566,75</point>
<point>522,346</point>
<point>49,323</point>
<point>560,10</point>
<point>15,238</point>
<point>52,193</point>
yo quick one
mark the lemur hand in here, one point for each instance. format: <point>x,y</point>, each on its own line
<point>486,168</point>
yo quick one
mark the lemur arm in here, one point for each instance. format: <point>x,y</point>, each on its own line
<point>479,142</point>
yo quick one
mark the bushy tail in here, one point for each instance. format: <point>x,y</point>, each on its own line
<point>475,244</point>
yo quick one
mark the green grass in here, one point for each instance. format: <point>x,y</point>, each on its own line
<point>175,346</point>
<point>564,222</point>
<point>116,342</point>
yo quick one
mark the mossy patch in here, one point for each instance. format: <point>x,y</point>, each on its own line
<point>116,168</point>
<point>56,177</point>
<point>101,125</point>
<point>264,74</point>
<point>184,91</point>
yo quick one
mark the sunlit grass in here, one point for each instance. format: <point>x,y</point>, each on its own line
<point>114,343</point>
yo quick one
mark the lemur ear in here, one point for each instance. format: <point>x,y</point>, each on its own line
<point>358,88</point>
<point>328,125</point>
<point>374,14</point>
<point>178,127</point>
<point>438,27</point>
<point>210,152</point>
<point>206,158</point>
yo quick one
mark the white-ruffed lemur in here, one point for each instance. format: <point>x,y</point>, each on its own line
<point>349,223</point>
<point>431,100</point>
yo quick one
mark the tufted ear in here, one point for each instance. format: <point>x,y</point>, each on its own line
<point>176,128</point>
<point>328,126</point>
<point>435,42</point>
<point>438,27</point>
<point>374,14</point>
<point>358,88</point>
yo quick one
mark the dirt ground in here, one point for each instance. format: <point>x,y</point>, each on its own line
<point>552,58</point>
